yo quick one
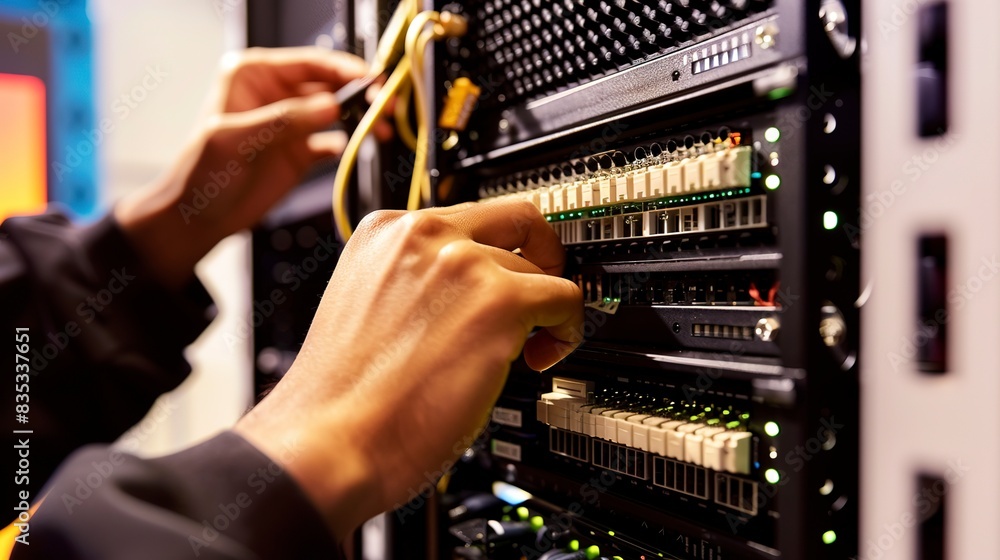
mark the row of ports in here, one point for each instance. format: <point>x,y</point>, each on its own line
<point>621,459</point>
<point>702,441</point>
<point>731,491</point>
<point>726,215</point>
<point>728,332</point>
<point>749,289</point>
<point>685,172</point>
<point>569,444</point>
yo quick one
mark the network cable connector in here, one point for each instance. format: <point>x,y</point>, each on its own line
<point>700,439</point>
<point>687,187</point>
<point>458,106</point>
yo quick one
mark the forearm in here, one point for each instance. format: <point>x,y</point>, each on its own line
<point>221,500</point>
<point>164,229</point>
<point>105,338</point>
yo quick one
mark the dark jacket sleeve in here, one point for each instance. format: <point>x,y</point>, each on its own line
<point>105,337</point>
<point>222,499</point>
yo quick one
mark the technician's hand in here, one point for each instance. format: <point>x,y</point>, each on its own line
<point>265,127</point>
<point>410,348</point>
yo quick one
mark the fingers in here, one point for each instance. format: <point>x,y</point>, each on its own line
<point>445,210</point>
<point>514,224</point>
<point>296,65</point>
<point>327,143</point>
<point>557,305</point>
<point>543,350</point>
<point>309,88</point>
<point>257,77</point>
<point>299,116</point>
<point>536,300</point>
<point>508,260</point>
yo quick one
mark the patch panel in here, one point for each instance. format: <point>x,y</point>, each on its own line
<point>737,493</point>
<point>724,289</point>
<point>728,215</point>
<point>690,479</point>
<point>680,477</point>
<point>620,459</point>
<point>700,435</point>
<point>609,179</point>
<point>569,444</point>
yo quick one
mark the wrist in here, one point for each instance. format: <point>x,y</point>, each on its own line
<point>153,224</point>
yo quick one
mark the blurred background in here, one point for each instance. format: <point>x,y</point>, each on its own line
<point>175,47</point>
<point>124,83</point>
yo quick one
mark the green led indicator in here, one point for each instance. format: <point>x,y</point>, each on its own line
<point>733,425</point>
<point>772,135</point>
<point>620,209</point>
<point>523,513</point>
<point>772,429</point>
<point>611,533</point>
<point>779,93</point>
<point>592,552</point>
<point>830,220</point>
<point>829,537</point>
<point>537,522</point>
<point>772,476</point>
<point>574,545</point>
<point>772,182</point>
<point>745,416</point>
<point>505,518</point>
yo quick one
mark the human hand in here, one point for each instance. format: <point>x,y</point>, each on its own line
<point>266,126</point>
<point>410,348</point>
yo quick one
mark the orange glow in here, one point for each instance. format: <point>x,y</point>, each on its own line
<point>22,145</point>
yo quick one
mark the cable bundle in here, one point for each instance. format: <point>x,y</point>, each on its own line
<point>406,37</point>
